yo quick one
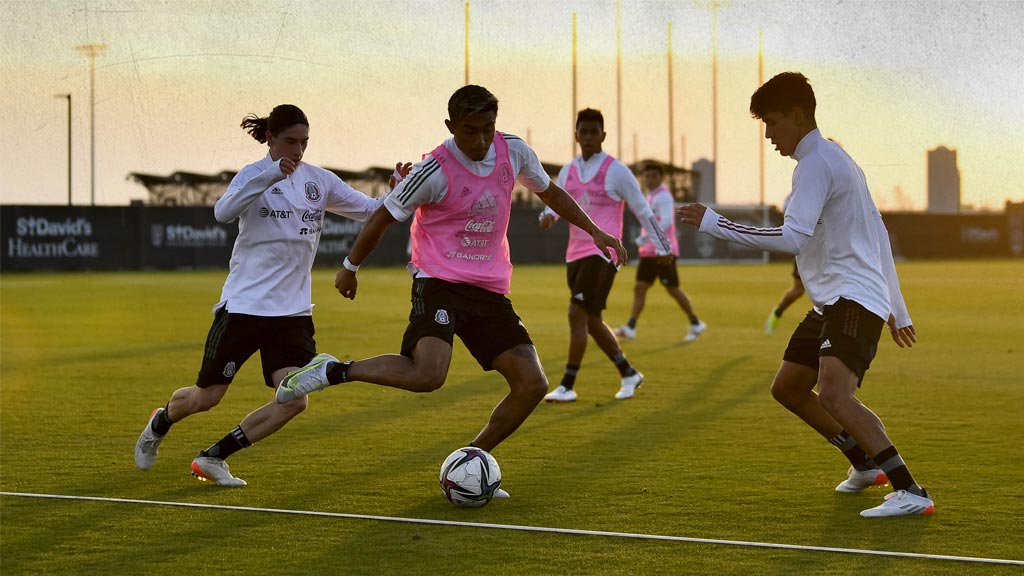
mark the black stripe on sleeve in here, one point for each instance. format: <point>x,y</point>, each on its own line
<point>747,230</point>
<point>416,181</point>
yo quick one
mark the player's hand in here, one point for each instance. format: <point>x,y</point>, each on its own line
<point>346,283</point>
<point>903,337</point>
<point>691,214</point>
<point>287,166</point>
<point>546,221</point>
<point>401,171</point>
<point>606,242</point>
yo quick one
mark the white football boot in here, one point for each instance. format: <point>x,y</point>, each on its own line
<point>901,503</point>
<point>215,469</point>
<point>629,386</point>
<point>309,378</point>
<point>625,332</point>
<point>148,444</point>
<point>695,330</point>
<point>561,394</point>
<point>860,479</point>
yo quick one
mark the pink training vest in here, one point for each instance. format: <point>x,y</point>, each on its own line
<point>463,238</point>
<point>605,211</point>
<point>649,250</point>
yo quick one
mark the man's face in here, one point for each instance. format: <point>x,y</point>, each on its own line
<point>289,143</point>
<point>473,133</point>
<point>589,135</point>
<point>784,130</point>
<point>652,179</point>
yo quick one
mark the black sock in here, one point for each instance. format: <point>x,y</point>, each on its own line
<point>890,461</point>
<point>853,452</point>
<point>693,319</point>
<point>161,424</point>
<point>569,378</point>
<point>632,323</point>
<point>337,372</point>
<point>228,445</point>
<point>777,312</point>
<point>625,368</point>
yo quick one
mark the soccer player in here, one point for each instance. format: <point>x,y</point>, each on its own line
<point>265,303</point>
<point>602,186</point>
<point>792,295</point>
<point>842,248</point>
<point>461,195</point>
<point>662,268</point>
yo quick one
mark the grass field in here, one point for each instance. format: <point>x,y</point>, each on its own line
<point>702,451</point>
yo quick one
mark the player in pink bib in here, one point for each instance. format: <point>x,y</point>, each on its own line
<point>603,186</point>
<point>654,267</point>
<point>461,195</point>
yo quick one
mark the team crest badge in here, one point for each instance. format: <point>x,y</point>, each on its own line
<point>312,192</point>
<point>441,317</point>
<point>505,174</point>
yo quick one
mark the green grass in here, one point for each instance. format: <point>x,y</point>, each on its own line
<point>702,451</point>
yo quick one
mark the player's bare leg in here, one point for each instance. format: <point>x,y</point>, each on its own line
<point>527,386</point>
<point>426,371</point>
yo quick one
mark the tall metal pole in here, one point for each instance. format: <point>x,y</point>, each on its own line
<point>618,73</point>
<point>91,51</point>
<point>714,95</point>
<point>760,81</point>
<point>671,122</point>
<point>572,149</point>
<point>467,45</point>
<point>68,97</point>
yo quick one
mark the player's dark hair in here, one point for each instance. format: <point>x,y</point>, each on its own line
<point>654,165</point>
<point>471,99</point>
<point>281,118</point>
<point>783,93</point>
<point>590,115</point>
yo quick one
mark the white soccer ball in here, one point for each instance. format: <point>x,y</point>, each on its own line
<point>470,477</point>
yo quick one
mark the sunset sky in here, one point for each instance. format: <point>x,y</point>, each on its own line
<point>893,79</point>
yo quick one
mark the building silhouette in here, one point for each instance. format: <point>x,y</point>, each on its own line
<point>705,185</point>
<point>943,181</point>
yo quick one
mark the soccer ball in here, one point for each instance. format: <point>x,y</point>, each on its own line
<point>470,477</point>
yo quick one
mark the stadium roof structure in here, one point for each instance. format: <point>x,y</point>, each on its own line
<point>194,189</point>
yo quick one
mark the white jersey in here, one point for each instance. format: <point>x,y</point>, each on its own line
<point>279,223</point>
<point>427,183</point>
<point>832,225</point>
<point>621,185</point>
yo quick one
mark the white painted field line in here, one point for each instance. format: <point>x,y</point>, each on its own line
<point>526,528</point>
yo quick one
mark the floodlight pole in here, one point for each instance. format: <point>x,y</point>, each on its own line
<point>68,96</point>
<point>467,45</point>
<point>760,81</point>
<point>671,125</point>
<point>92,51</point>
<point>618,75</point>
<point>572,149</point>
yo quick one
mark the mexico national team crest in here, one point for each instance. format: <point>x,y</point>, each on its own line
<point>441,317</point>
<point>312,192</point>
<point>505,174</point>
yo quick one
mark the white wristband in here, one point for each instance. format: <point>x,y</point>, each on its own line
<point>349,265</point>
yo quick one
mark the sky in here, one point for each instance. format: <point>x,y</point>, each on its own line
<point>892,79</point>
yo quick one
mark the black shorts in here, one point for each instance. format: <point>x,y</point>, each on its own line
<point>283,342</point>
<point>483,320</point>
<point>658,267</point>
<point>846,330</point>
<point>590,281</point>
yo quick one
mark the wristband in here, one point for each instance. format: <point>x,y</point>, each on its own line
<point>349,265</point>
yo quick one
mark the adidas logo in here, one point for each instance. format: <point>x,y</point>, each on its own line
<point>276,190</point>
<point>578,296</point>
<point>825,344</point>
